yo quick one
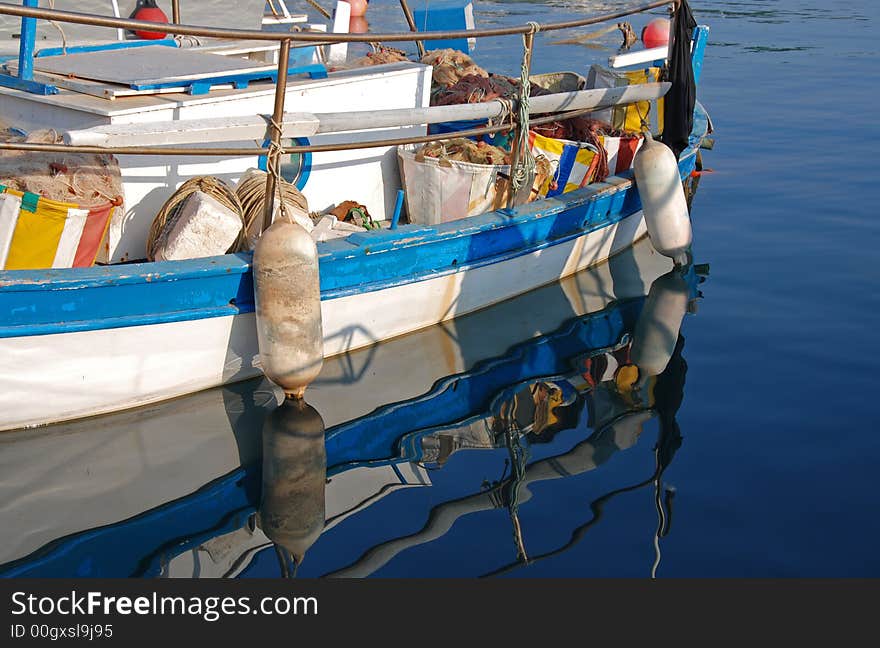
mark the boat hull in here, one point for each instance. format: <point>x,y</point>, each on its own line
<point>64,376</point>
<point>92,341</point>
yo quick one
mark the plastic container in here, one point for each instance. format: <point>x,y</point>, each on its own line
<point>442,191</point>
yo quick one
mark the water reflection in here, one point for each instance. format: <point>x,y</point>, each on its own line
<point>294,472</point>
<point>503,412</point>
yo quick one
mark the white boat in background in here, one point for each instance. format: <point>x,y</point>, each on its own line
<point>77,342</point>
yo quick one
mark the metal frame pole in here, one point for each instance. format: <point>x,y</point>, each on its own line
<point>28,44</point>
<point>412,25</point>
<point>273,161</point>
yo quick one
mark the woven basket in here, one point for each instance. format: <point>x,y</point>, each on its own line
<point>214,187</point>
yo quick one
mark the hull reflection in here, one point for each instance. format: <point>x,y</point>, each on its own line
<point>212,484</point>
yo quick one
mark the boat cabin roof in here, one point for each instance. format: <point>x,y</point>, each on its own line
<point>140,103</point>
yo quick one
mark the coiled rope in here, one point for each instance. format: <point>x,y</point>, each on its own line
<point>524,170</point>
<point>251,192</point>
<point>285,192</point>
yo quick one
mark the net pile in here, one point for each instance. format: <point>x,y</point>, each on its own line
<point>381,56</point>
<point>450,66</point>
<point>86,179</point>
<point>460,149</point>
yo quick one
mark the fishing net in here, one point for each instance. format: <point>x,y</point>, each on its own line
<point>460,149</point>
<point>86,179</point>
<point>381,56</point>
<point>450,66</point>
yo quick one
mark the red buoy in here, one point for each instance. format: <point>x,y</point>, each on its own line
<point>148,10</point>
<point>656,33</point>
<point>358,7</point>
<point>358,25</point>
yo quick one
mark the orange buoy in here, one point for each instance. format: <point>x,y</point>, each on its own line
<point>656,33</point>
<point>358,25</point>
<point>148,10</point>
<point>358,8</point>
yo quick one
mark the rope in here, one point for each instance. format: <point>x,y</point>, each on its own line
<point>319,8</point>
<point>60,31</point>
<point>251,191</point>
<point>167,216</point>
<point>252,194</point>
<point>273,165</point>
<point>525,166</point>
<point>505,116</point>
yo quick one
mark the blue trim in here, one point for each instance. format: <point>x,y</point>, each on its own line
<point>700,38</point>
<point>129,44</point>
<point>305,164</point>
<point>33,87</point>
<point>301,64</point>
<point>44,302</point>
<point>27,44</point>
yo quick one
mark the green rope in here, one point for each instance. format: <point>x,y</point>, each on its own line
<point>525,167</point>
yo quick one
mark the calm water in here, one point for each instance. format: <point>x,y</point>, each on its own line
<point>753,453</point>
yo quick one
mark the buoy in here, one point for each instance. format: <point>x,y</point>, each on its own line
<point>148,10</point>
<point>288,304</point>
<point>358,7</point>
<point>358,25</point>
<point>656,33</point>
<point>294,474</point>
<point>659,323</point>
<point>663,201</point>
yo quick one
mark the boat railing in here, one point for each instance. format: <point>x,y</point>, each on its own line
<point>29,13</point>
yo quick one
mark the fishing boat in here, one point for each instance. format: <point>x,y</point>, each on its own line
<point>128,495</point>
<point>124,331</point>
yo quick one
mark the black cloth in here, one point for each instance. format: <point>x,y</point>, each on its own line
<point>678,118</point>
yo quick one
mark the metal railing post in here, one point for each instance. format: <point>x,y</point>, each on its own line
<point>273,161</point>
<point>28,44</point>
<point>175,11</point>
<point>412,25</point>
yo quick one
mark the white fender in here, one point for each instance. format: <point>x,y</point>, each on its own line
<point>292,506</point>
<point>663,200</point>
<point>659,323</point>
<point>287,294</point>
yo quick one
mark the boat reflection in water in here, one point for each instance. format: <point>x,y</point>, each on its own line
<point>239,482</point>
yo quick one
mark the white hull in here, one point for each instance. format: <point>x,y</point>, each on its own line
<point>59,377</point>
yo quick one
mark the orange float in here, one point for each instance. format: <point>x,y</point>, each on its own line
<point>358,8</point>
<point>656,33</point>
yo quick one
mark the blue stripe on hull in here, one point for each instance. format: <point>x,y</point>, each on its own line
<point>62,301</point>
